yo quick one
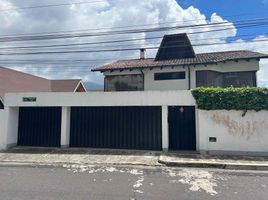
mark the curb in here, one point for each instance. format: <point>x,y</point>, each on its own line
<point>60,164</point>
<point>215,165</point>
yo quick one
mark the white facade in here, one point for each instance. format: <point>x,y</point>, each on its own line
<point>234,133</point>
<point>66,100</point>
<point>183,84</point>
<point>138,98</point>
<point>2,128</point>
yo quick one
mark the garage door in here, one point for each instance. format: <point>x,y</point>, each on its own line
<point>182,131</point>
<point>116,127</point>
<point>39,126</point>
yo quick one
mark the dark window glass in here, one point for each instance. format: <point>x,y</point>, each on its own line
<point>124,82</point>
<point>169,76</point>
<point>208,78</point>
<point>239,79</point>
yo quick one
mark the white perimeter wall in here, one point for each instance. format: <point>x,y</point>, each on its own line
<point>2,122</point>
<point>139,98</point>
<point>8,127</point>
<point>234,133</point>
<point>67,100</point>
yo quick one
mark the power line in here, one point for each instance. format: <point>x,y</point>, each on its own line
<point>244,37</point>
<point>53,5</point>
<point>116,27</point>
<point>127,31</point>
<point>128,49</point>
<point>119,27</point>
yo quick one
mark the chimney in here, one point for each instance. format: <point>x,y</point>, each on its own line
<point>142,53</point>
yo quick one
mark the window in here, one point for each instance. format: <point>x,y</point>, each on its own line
<point>239,79</point>
<point>124,82</point>
<point>169,76</point>
<point>208,78</point>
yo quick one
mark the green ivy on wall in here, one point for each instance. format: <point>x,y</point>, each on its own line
<point>248,98</point>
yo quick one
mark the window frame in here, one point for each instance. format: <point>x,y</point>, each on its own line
<point>107,86</point>
<point>180,73</point>
<point>224,76</point>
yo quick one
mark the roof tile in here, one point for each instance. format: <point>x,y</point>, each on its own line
<point>203,58</point>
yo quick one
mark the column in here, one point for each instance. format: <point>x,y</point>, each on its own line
<point>10,129</point>
<point>165,128</point>
<point>65,126</point>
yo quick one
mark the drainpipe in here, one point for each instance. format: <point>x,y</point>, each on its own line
<point>142,79</point>
<point>189,78</point>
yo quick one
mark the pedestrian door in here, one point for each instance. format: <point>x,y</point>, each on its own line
<point>182,128</point>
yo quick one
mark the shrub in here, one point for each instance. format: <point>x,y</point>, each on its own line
<point>248,98</point>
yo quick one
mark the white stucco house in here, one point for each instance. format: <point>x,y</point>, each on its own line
<point>177,67</point>
<point>147,105</point>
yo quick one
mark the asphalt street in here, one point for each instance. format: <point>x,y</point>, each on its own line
<point>125,183</point>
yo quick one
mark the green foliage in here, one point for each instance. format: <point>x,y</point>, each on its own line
<point>248,98</point>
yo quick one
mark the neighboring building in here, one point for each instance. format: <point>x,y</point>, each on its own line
<point>15,81</point>
<point>177,67</point>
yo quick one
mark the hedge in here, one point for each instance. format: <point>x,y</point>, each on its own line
<point>248,98</point>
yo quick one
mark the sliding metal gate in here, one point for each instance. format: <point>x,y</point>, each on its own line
<point>116,127</point>
<point>39,126</point>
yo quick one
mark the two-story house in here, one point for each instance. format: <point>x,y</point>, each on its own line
<point>144,120</point>
<point>177,67</point>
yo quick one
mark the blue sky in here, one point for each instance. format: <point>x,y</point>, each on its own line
<point>228,7</point>
<point>232,10</point>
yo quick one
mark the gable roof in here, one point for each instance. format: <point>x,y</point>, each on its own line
<point>16,81</point>
<point>176,46</point>
<point>65,85</point>
<point>203,58</point>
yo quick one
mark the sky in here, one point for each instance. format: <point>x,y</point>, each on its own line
<point>94,16</point>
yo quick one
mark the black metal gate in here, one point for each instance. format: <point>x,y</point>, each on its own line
<point>182,131</point>
<point>39,126</point>
<point>116,127</point>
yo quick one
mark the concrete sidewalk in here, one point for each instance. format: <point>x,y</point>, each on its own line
<point>208,161</point>
<point>50,156</point>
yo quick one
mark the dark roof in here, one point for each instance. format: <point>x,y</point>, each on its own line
<point>175,46</point>
<point>203,58</point>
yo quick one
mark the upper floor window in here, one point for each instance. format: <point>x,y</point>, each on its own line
<point>169,76</point>
<point>208,78</point>
<point>133,82</point>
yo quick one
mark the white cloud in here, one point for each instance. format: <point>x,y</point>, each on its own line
<point>109,14</point>
<point>8,18</point>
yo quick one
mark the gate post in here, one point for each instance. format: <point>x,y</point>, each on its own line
<point>11,121</point>
<point>165,140</point>
<point>65,126</point>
